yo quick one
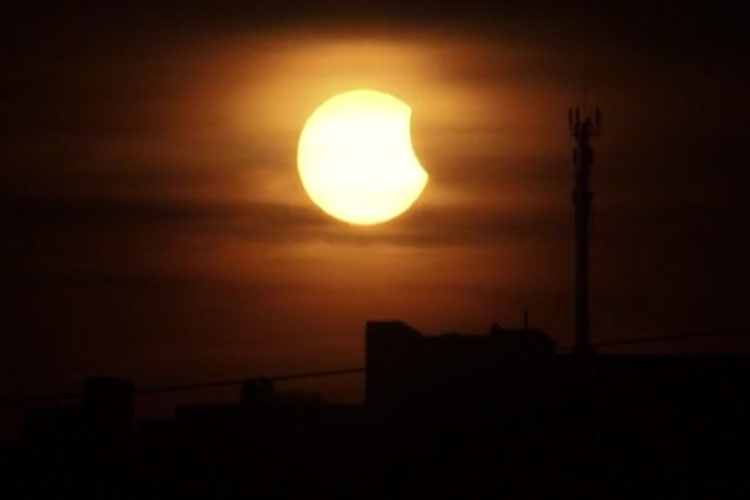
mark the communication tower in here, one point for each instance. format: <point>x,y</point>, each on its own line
<point>583,126</point>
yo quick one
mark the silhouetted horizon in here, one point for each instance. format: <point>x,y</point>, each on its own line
<point>469,403</point>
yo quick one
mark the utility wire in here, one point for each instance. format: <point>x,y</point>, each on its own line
<point>329,373</point>
<point>679,336</point>
<point>224,383</point>
<point>185,387</point>
<point>663,338</point>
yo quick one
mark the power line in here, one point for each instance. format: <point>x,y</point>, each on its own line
<point>39,399</point>
<point>328,373</point>
<point>185,387</point>
<point>226,383</point>
<point>680,336</point>
<point>665,338</point>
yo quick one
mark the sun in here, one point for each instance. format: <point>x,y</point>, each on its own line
<point>356,160</point>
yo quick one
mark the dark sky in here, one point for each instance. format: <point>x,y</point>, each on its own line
<point>153,224</point>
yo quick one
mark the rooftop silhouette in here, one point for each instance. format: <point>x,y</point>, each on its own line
<point>502,411</point>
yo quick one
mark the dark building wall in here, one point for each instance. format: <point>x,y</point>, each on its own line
<point>109,417</point>
<point>517,380</point>
<point>102,427</point>
<point>391,349</point>
<point>407,373</point>
<point>53,431</point>
<point>82,451</point>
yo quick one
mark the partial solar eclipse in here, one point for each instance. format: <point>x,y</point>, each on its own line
<point>356,160</point>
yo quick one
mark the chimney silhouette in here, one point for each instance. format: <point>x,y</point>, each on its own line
<point>583,126</point>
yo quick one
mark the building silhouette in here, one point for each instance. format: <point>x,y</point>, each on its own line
<point>407,371</point>
<point>453,415</point>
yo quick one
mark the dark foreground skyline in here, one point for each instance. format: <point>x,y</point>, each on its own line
<point>496,415</point>
<point>154,226</point>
